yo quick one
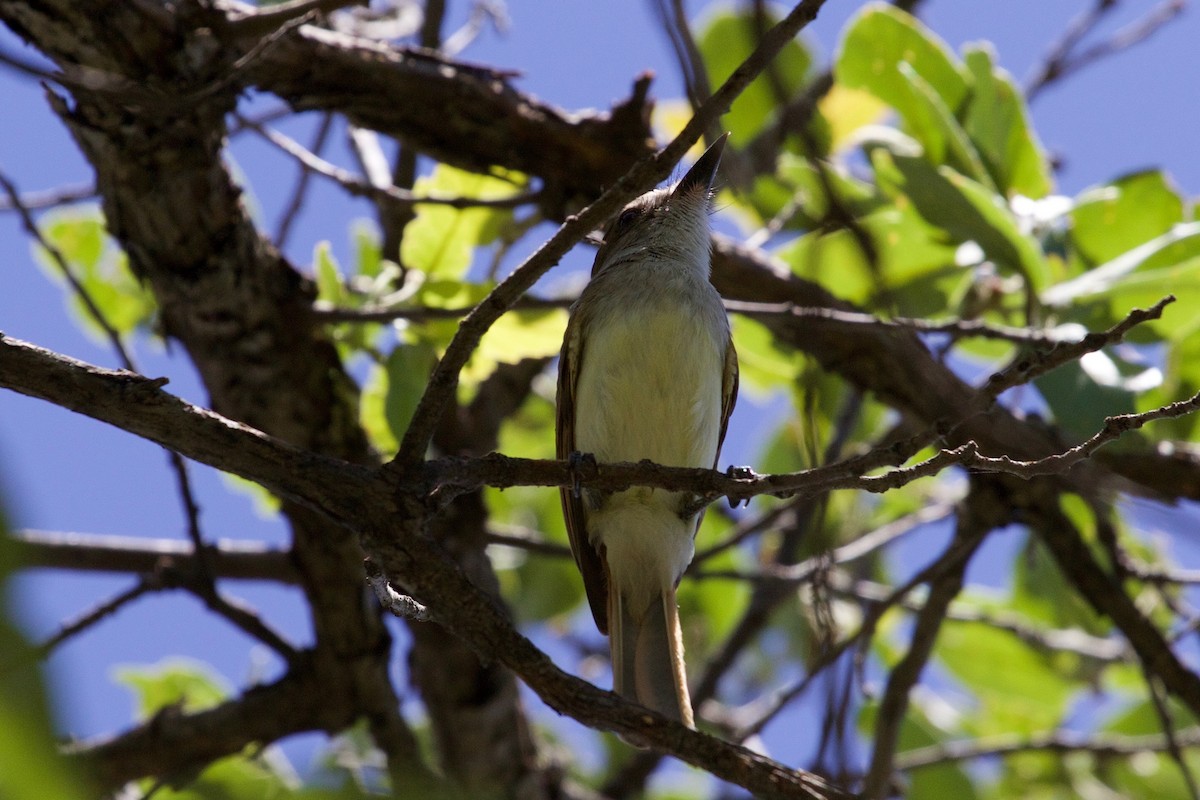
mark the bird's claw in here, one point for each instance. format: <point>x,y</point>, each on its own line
<point>575,462</point>
<point>739,474</point>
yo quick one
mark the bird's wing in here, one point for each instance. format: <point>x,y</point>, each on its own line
<point>729,391</point>
<point>590,562</point>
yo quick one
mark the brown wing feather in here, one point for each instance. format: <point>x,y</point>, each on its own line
<point>590,563</point>
<point>729,392</point>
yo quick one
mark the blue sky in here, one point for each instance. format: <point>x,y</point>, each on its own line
<point>62,472</point>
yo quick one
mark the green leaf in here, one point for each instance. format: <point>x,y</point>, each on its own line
<point>183,682</point>
<point>32,764</point>
<point>392,391</point>
<point>1146,774</point>
<point>763,366</point>
<point>910,253</point>
<point>969,212</point>
<point>266,504</point>
<point>1040,592</point>
<point>517,335</point>
<point>368,253</point>
<point>101,269</point>
<point>1181,367</point>
<point>440,239</point>
<point>998,123</point>
<point>724,43</point>
<point>877,42</point>
<point>1112,220</point>
<point>934,126</point>
<point>797,186</point>
<point>547,587</point>
<point>709,609</point>
<point>1079,402</point>
<point>1018,690</point>
<point>1139,278</point>
<point>239,777</point>
<point>847,111</point>
<point>330,285</point>
<point>918,730</point>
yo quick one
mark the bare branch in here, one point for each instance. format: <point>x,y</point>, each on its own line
<point>1061,742</point>
<point>64,267</point>
<point>101,553</point>
<point>50,198</point>
<point>1063,60</point>
<point>312,163</point>
<point>327,313</point>
<point>90,618</point>
<point>262,22</point>
<point>955,329</point>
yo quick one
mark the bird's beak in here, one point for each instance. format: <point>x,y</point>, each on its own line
<point>700,176</point>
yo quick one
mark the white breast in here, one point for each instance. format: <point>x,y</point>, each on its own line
<point>650,387</point>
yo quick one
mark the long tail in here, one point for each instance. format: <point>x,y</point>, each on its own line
<point>647,656</point>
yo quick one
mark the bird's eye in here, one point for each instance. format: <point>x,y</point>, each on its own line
<point>627,217</point>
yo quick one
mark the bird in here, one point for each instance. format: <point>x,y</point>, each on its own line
<point>647,371</point>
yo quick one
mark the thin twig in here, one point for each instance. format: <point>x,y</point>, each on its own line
<point>1167,721</point>
<point>145,585</point>
<point>454,475</point>
<point>236,560</point>
<point>360,188</point>
<point>303,181</point>
<point>1099,745</point>
<point>269,19</point>
<point>51,198</point>
<point>64,267</point>
<point>1062,60</point>
<point>330,314</point>
<point>955,329</point>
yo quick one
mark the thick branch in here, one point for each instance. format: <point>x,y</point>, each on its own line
<point>404,92</point>
<point>86,552</point>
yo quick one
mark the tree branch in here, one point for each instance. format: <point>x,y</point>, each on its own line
<point>101,553</point>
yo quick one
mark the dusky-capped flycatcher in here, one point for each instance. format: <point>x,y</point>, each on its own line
<point>648,371</point>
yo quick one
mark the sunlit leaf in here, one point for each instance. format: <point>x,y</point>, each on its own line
<point>517,335</point>
<point>935,127</point>
<point>1017,688</point>
<point>969,212</point>
<point>440,239</point>
<point>186,683</point>
<point>725,41</point>
<point>877,41</point>
<point>101,269</point>
<point>763,365</point>
<point>392,392</point>
<point>847,110</point>
<point>1110,221</point>
<point>998,123</point>
<point>330,285</point>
